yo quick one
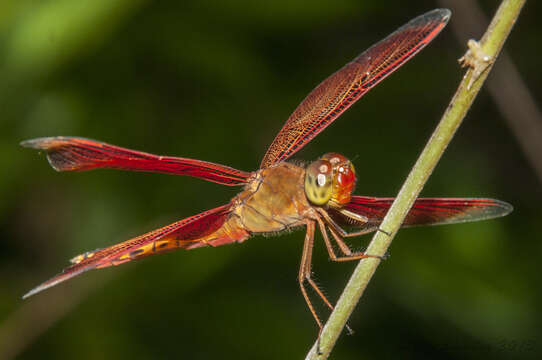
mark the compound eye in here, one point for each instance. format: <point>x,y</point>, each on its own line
<point>346,175</point>
<point>319,181</point>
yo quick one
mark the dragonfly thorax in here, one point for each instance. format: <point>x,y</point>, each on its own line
<point>330,180</point>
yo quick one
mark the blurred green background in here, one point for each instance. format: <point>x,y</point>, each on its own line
<point>215,80</point>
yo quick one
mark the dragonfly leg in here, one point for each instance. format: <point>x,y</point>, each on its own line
<point>338,229</point>
<point>352,215</point>
<point>362,220</point>
<point>334,257</point>
<point>305,276</point>
<point>305,271</point>
<point>348,254</point>
<point>337,232</point>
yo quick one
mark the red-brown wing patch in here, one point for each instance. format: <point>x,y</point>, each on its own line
<point>339,91</point>
<point>184,234</point>
<point>427,211</point>
<point>78,154</point>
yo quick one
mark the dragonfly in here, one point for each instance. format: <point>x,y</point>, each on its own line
<point>280,195</point>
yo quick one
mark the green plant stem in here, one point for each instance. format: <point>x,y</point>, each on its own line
<point>491,44</point>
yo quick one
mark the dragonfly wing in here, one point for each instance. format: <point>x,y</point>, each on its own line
<point>199,230</point>
<point>78,154</point>
<point>342,89</point>
<point>426,211</point>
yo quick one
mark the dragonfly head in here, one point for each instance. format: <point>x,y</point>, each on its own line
<point>330,180</point>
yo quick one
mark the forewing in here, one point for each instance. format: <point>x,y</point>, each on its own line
<point>339,91</point>
<point>187,233</point>
<point>426,211</point>
<point>79,154</point>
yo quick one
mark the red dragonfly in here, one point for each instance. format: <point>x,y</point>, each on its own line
<point>280,195</point>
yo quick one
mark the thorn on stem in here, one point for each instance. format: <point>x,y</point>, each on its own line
<point>477,59</point>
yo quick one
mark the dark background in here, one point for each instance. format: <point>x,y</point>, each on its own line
<point>215,80</point>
